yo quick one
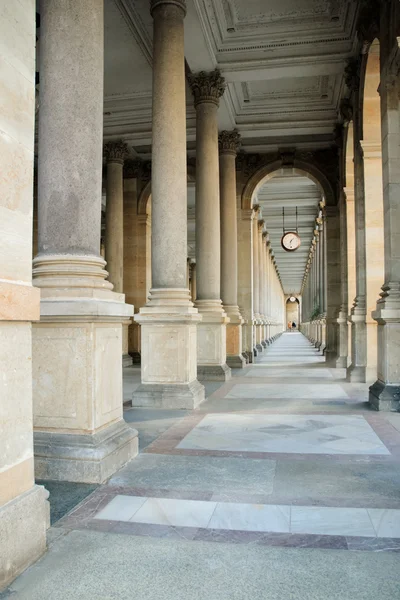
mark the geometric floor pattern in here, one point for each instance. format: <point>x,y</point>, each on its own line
<point>301,434</point>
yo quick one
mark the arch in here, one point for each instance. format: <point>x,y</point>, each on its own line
<point>300,168</point>
<point>145,194</point>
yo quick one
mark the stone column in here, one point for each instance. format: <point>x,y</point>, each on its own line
<point>228,145</point>
<point>341,360</point>
<point>267,289</point>
<point>384,394</point>
<point>80,434</point>
<point>115,154</point>
<point>356,372</point>
<point>256,279</point>
<point>24,510</point>
<point>245,279</point>
<point>207,88</point>
<point>351,257</point>
<point>137,253</point>
<point>193,280</point>
<point>169,320</point>
<point>332,241</point>
<point>261,287</point>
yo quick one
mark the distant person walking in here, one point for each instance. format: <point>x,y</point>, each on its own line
<point>293,325</point>
<point>289,326</point>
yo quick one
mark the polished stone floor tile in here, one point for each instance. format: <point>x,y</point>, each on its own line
<point>287,391</point>
<point>386,522</point>
<point>331,521</point>
<point>296,434</point>
<point>180,513</point>
<point>293,374</point>
<point>251,517</point>
<point>121,508</point>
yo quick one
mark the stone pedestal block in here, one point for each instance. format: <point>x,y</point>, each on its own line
<point>234,343</point>
<point>211,344</point>
<point>169,366</point>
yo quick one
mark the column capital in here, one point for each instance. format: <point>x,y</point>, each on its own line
<point>115,151</point>
<point>256,209</point>
<point>132,168</point>
<point>158,3</point>
<point>207,87</point>
<point>229,142</point>
<point>260,224</point>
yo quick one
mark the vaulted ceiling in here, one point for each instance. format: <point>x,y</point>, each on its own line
<point>283,61</point>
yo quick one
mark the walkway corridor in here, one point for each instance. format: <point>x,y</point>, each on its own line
<point>282,485</point>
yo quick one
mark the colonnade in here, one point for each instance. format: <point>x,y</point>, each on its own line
<point>62,322</point>
<point>314,287</point>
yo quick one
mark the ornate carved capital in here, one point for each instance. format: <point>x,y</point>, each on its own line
<point>346,111</point>
<point>207,87</point>
<point>261,224</point>
<point>352,73</point>
<point>132,169</point>
<point>229,142</point>
<point>256,208</point>
<point>115,151</point>
<point>157,3</point>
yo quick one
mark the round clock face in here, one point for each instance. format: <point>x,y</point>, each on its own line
<point>292,299</point>
<point>290,241</point>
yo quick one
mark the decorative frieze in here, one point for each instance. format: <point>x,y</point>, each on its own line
<point>207,87</point>
<point>229,142</point>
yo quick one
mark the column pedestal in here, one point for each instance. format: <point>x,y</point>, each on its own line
<point>234,357</point>
<point>79,432</point>
<point>211,343</point>
<point>169,338</point>
<point>356,372</point>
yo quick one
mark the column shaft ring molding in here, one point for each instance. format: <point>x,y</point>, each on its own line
<point>154,4</point>
<point>207,87</point>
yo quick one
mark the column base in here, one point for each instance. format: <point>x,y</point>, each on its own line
<point>341,362</point>
<point>84,458</point>
<point>259,348</point>
<point>136,358</point>
<point>23,524</point>
<point>127,360</point>
<point>384,397</point>
<point>356,374</point>
<point>236,361</point>
<point>169,325</point>
<point>174,396</point>
<point>211,342</point>
<point>214,372</point>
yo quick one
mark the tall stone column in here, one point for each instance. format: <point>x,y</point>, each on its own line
<point>267,289</point>
<point>137,253</point>
<point>207,88</point>
<point>228,145</point>
<point>24,510</point>
<point>356,372</point>
<point>384,394</point>
<point>341,360</point>
<point>261,287</point>
<point>115,154</point>
<point>245,279</point>
<point>80,434</point>
<point>169,320</point>
<point>256,279</point>
<point>332,241</point>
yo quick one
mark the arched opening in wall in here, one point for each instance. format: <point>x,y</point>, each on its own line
<point>350,221</point>
<point>293,311</point>
<point>374,237</point>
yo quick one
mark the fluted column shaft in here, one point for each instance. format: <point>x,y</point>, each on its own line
<point>256,269</point>
<point>115,153</point>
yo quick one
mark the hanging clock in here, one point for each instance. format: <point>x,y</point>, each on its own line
<point>290,241</point>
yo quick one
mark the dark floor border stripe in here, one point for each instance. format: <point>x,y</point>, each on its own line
<point>283,540</point>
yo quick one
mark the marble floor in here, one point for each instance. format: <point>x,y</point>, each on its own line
<point>282,484</point>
